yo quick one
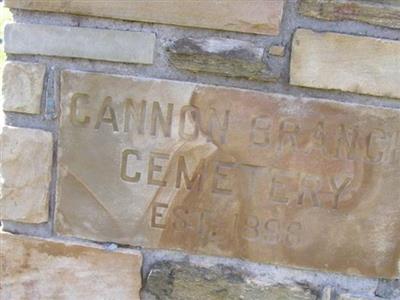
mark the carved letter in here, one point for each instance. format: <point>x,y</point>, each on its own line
<point>181,218</point>
<point>194,121</point>
<point>112,119</point>
<point>261,131</point>
<point>272,229</point>
<point>395,149</point>
<point>182,170</point>
<point>219,166</point>
<point>165,123</point>
<point>124,165</point>
<point>309,188</point>
<point>157,214</point>
<point>338,191</point>
<point>280,186</point>
<point>78,98</point>
<point>288,132</point>
<point>137,114</point>
<point>213,121</point>
<point>250,228</point>
<point>156,168</point>
<point>317,140</point>
<point>372,143</point>
<point>346,146</point>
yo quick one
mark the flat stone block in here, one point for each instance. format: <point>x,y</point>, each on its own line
<point>376,12</point>
<point>277,50</point>
<point>42,269</point>
<point>78,42</point>
<point>227,57</point>
<point>22,87</point>
<point>344,62</point>
<point>256,16</point>
<point>182,281</point>
<point>25,170</point>
<point>222,171</point>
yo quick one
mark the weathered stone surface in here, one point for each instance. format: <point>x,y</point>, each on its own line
<point>227,57</point>
<point>25,173</point>
<point>42,269</point>
<point>182,281</point>
<point>389,289</point>
<point>256,16</point>
<point>327,293</point>
<point>349,297</point>
<point>277,50</point>
<point>22,87</point>
<point>77,42</point>
<point>222,171</point>
<point>349,63</point>
<point>375,12</point>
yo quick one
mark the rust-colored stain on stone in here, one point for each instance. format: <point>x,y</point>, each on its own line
<point>221,171</point>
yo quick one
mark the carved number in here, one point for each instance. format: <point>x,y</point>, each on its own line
<point>272,231</point>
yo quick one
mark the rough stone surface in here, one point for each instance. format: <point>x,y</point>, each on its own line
<point>99,44</point>
<point>349,297</point>
<point>256,16</point>
<point>343,62</point>
<point>375,12</point>
<point>389,289</point>
<point>263,274</point>
<point>229,172</point>
<point>227,57</point>
<point>277,50</point>
<point>327,293</point>
<point>25,173</point>
<point>182,281</point>
<point>42,269</point>
<point>22,87</point>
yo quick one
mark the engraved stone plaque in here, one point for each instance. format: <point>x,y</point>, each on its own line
<point>221,171</point>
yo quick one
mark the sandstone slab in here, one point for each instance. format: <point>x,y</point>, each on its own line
<point>22,87</point>
<point>25,173</point>
<point>277,50</point>
<point>42,269</point>
<point>376,12</point>
<point>256,16</point>
<point>78,42</point>
<point>228,57</point>
<point>182,281</point>
<point>348,63</point>
<point>222,171</point>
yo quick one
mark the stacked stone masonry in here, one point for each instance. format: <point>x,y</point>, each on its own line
<point>201,150</point>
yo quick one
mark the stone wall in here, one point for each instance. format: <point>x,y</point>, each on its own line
<point>201,150</point>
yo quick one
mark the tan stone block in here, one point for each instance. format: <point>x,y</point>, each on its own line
<point>376,12</point>
<point>222,171</point>
<point>277,50</point>
<point>43,269</point>
<point>22,87</point>
<point>344,62</point>
<point>256,16</point>
<point>79,42</point>
<point>25,173</point>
